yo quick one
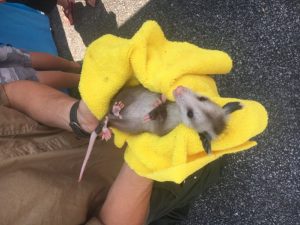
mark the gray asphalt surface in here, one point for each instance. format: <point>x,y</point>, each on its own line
<point>261,185</point>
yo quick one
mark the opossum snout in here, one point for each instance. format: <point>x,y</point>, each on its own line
<point>179,91</point>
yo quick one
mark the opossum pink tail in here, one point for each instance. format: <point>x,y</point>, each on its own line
<point>88,153</point>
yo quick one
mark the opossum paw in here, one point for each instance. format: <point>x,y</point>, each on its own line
<point>106,134</point>
<point>161,100</point>
<point>116,109</point>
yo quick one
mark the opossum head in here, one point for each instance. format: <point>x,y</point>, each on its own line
<point>203,115</point>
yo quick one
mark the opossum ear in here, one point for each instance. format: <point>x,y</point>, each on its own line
<point>232,106</point>
<point>206,141</point>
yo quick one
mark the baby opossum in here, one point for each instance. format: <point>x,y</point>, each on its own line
<point>137,110</point>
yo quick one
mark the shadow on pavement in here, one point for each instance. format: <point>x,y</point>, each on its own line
<point>59,35</point>
<point>92,23</point>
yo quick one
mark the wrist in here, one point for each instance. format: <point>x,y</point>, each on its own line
<point>86,119</point>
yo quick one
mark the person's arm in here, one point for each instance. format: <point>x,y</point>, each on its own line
<point>58,79</point>
<point>47,105</point>
<point>128,199</point>
<point>44,61</point>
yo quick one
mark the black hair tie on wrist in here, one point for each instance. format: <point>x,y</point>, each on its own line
<point>74,124</point>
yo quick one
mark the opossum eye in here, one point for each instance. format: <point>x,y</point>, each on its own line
<point>190,113</point>
<point>202,98</point>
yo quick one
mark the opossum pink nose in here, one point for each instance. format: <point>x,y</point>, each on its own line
<point>178,91</point>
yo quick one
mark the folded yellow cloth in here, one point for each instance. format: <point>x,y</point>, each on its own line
<point>160,65</point>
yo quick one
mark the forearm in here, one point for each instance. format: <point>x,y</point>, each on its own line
<point>40,102</point>
<point>58,79</point>
<point>45,61</point>
<point>128,199</point>
<point>47,105</point>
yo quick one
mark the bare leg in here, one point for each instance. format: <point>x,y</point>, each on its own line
<point>58,79</point>
<point>45,61</point>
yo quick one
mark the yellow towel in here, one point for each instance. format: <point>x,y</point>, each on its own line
<point>160,65</point>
